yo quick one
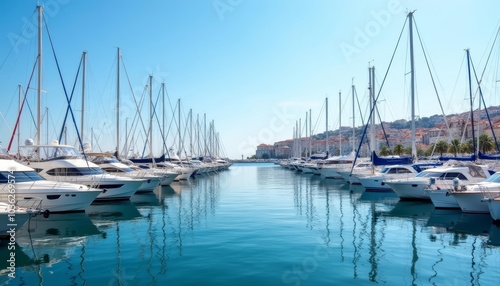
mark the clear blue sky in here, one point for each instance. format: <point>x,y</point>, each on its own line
<point>254,67</point>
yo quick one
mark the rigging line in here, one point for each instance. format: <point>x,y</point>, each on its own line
<point>70,99</point>
<point>481,98</point>
<point>133,96</point>
<point>21,109</point>
<point>17,40</point>
<point>65,92</point>
<point>320,115</point>
<point>5,121</point>
<point>158,120</point>
<point>378,94</point>
<point>383,130</point>
<point>433,82</point>
<point>31,112</point>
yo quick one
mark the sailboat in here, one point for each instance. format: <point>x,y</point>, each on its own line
<point>405,168</point>
<point>63,162</point>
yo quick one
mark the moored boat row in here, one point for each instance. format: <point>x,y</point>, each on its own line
<point>468,186</point>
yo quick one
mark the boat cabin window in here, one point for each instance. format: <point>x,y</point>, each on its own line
<point>398,171</point>
<point>494,178</point>
<point>453,175</point>
<point>117,170</point>
<point>28,176</point>
<point>429,174</point>
<point>75,171</point>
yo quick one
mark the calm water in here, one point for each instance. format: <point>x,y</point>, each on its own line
<point>258,224</point>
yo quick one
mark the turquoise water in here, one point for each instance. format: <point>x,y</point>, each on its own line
<point>258,224</point>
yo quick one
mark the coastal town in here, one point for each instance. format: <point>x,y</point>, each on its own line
<point>430,131</point>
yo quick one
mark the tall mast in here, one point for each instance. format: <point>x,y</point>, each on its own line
<point>151,115</point>
<point>326,127</point>
<point>163,114</point>
<point>19,125</point>
<point>471,103</point>
<point>340,124</point>
<point>372,103</point>
<point>204,134</point>
<point>39,89</point>
<point>191,132</point>
<point>84,59</point>
<point>300,137</point>
<point>179,127</point>
<point>310,134</point>
<point>412,84</point>
<point>117,101</point>
<point>307,132</point>
<point>353,119</point>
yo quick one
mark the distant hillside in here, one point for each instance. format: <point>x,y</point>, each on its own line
<point>423,122</point>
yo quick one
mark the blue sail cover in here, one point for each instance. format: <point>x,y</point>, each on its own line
<point>488,157</point>
<point>380,161</point>
<point>149,160</point>
<point>466,158</point>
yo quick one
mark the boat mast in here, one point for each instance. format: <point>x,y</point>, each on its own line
<point>307,132</point>
<point>117,101</point>
<point>204,134</point>
<point>371,76</point>
<point>340,123</point>
<point>39,89</point>
<point>326,127</point>
<point>84,59</point>
<point>300,137</point>
<point>310,133</point>
<point>151,115</point>
<point>163,115</point>
<point>412,85</point>
<point>191,132</point>
<point>179,127</point>
<point>353,119</point>
<point>19,126</point>
<point>471,103</point>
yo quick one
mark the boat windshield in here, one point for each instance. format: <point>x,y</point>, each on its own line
<point>75,171</point>
<point>426,174</point>
<point>19,176</point>
<point>494,178</point>
<point>103,160</point>
<point>49,152</point>
<point>118,170</point>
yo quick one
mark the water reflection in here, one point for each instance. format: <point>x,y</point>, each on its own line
<point>58,240</point>
<point>377,231</point>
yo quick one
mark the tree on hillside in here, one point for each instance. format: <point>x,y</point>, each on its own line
<point>441,147</point>
<point>399,149</point>
<point>429,150</point>
<point>384,151</point>
<point>454,147</point>
<point>485,143</point>
<point>407,150</point>
<point>467,147</point>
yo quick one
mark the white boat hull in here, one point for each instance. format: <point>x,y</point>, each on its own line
<point>410,190</point>
<point>471,202</point>
<point>443,199</point>
<point>494,208</point>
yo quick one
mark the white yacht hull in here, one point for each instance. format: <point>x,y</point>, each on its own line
<point>471,202</point>
<point>442,199</point>
<point>494,208</point>
<point>410,190</point>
